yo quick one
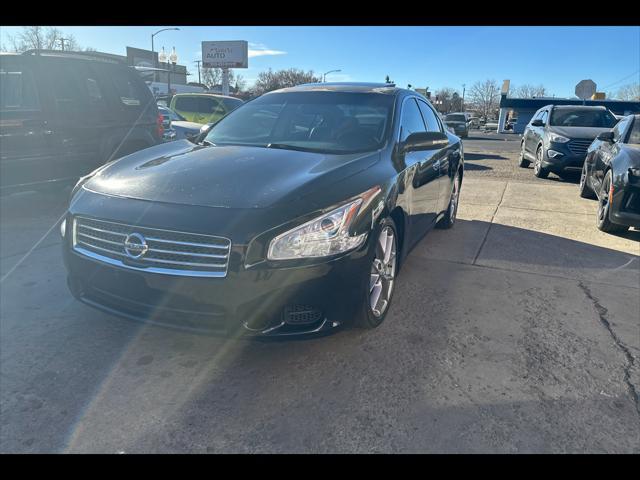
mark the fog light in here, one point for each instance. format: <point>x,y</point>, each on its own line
<point>554,154</point>
<point>63,227</point>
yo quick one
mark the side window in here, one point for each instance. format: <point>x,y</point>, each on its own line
<point>126,88</point>
<point>429,117</point>
<point>634,135</point>
<point>67,93</point>
<point>544,117</point>
<point>17,89</point>
<point>411,120</point>
<point>536,116</point>
<point>620,128</point>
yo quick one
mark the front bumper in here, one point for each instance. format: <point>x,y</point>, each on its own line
<point>568,160</point>
<point>264,301</point>
<point>625,205</point>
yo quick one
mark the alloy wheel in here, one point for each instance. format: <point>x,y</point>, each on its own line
<point>383,271</point>
<point>603,203</point>
<point>453,205</point>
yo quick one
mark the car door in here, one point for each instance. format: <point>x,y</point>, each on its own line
<point>528,133</point>
<point>606,152</point>
<point>442,159</point>
<point>27,149</point>
<point>535,133</point>
<point>422,170</point>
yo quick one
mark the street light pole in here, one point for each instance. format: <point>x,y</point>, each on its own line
<point>463,87</point>
<point>324,75</point>
<point>198,62</point>
<point>152,50</point>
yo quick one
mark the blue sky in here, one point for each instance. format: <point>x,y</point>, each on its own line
<point>557,57</point>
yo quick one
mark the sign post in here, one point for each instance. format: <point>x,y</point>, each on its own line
<point>225,55</point>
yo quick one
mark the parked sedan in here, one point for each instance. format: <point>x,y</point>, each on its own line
<point>557,137</point>
<point>293,216</point>
<point>178,125</point>
<point>459,123</point>
<point>611,173</point>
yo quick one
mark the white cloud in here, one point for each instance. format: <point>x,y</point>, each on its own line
<point>260,50</point>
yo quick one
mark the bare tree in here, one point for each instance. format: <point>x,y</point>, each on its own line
<point>270,80</point>
<point>630,92</point>
<point>450,98</point>
<point>42,38</point>
<point>530,91</point>
<point>485,97</point>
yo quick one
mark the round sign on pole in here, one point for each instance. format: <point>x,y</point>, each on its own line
<point>585,89</point>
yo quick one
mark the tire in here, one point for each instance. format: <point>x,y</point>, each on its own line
<point>375,309</point>
<point>602,218</point>
<point>538,170</point>
<point>585,188</point>
<point>452,209</point>
<point>523,163</point>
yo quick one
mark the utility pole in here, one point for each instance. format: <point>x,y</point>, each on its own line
<point>463,88</point>
<point>62,40</point>
<point>198,62</point>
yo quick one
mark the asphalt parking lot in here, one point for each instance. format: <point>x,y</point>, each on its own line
<point>517,331</point>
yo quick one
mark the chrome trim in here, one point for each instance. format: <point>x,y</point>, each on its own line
<point>85,244</point>
<point>166,271</point>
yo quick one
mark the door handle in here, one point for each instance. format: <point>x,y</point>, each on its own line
<point>436,165</point>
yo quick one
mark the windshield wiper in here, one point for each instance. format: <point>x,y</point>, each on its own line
<point>286,146</point>
<point>208,143</point>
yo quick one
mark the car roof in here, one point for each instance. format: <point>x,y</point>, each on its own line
<point>579,107</point>
<point>361,87</point>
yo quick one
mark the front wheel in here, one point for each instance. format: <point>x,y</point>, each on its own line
<point>585,190</point>
<point>380,279</point>
<point>523,163</point>
<point>538,170</point>
<point>604,208</point>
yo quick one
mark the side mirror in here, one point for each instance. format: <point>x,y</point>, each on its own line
<point>537,123</point>
<point>606,136</point>
<point>424,141</point>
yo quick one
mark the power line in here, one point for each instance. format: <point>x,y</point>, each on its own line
<point>621,80</point>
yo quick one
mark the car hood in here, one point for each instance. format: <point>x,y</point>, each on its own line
<point>187,125</point>
<point>586,133</point>
<point>224,176</point>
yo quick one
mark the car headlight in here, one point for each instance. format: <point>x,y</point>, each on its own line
<point>323,236</point>
<point>554,137</point>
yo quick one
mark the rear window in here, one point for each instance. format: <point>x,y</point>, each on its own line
<point>455,118</point>
<point>127,88</point>
<point>566,117</point>
<point>17,90</point>
<point>187,104</point>
<point>231,103</point>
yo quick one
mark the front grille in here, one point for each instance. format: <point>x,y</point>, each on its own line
<point>301,314</point>
<point>579,147</point>
<point>169,252</point>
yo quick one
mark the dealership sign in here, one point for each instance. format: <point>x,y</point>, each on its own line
<point>228,54</point>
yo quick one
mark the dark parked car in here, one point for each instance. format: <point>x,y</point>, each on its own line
<point>292,216</point>
<point>557,137</point>
<point>459,122</point>
<point>611,173</point>
<point>64,114</point>
<point>178,125</point>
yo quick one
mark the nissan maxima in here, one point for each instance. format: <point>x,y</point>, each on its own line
<point>290,216</point>
<point>611,174</point>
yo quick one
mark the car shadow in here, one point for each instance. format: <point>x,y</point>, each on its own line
<point>137,387</point>
<point>483,156</point>
<point>476,167</point>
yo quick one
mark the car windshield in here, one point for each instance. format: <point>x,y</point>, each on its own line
<point>455,118</point>
<point>566,117</point>
<point>329,122</point>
